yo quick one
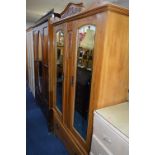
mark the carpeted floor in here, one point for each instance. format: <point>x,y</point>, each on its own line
<point>38,140</point>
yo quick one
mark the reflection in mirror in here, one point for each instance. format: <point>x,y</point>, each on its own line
<point>40,77</point>
<point>86,36</point>
<point>59,58</point>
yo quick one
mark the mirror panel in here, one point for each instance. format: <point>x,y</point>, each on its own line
<point>86,37</point>
<point>59,63</point>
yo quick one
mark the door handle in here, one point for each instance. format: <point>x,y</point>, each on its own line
<point>72,81</point>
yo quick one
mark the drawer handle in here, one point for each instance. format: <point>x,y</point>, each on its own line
<point>107,139</point>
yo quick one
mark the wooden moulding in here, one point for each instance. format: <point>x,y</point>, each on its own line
<point>45,18</point>
<point>71,9</point>
<point>73,147</point>
<point>95,10</point>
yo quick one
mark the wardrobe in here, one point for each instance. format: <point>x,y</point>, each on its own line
<point>88,68</point>
<point>41,62</point>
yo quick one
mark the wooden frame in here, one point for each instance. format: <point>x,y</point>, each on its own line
<point>43,96</point>
<point>79,23</point>
<point>57,29</point>
<point>109,84</point>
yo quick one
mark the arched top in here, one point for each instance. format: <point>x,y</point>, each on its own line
<point>71,9</point>
<point>60,30</point>
<point>60,37</point>
<point>86,36</point>
<point>86,26</point>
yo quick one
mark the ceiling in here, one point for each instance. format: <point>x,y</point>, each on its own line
<point>37,8</point>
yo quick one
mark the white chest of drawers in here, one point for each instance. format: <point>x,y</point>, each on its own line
<point>110,131</point>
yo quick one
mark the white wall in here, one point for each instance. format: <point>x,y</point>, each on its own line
<point>30,54</point>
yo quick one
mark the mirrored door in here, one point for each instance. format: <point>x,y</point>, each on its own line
<point>59,69</point>
<point>84,67</point>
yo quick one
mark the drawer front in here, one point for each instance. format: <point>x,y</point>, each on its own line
<point>116,144</point>
<point>98,148</point>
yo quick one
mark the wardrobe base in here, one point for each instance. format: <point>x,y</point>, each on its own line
<point>70,142</point>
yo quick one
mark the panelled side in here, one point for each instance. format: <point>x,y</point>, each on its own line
<point>114,82</point>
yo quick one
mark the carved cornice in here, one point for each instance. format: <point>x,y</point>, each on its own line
<point>95,10</point>
<point>71,9</point>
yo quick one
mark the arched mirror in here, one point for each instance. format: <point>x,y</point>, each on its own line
<point>59,65</point>
<point>86,37</point>
<point>40,74</point>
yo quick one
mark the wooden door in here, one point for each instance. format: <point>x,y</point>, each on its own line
<point>38,62</point>
<point>81,73</point>
<point>45,64</point>
<point>35,43</point>
<point>41,67</point>
<point>59,70</point>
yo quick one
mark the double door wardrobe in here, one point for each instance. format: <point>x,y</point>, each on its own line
<point>88,69</point>
<point>41,62</point>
